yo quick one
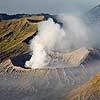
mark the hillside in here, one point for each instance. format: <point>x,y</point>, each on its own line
<point>94,14</point>
<point>89,91</point>
<point>14,32</point>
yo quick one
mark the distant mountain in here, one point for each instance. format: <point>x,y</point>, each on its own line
<point>95,11</point>
<point>4,16</point>
<point>94,14</point>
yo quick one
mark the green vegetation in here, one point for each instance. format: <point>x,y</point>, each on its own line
<point>13,33</point>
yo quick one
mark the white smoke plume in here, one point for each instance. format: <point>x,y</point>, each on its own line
<point>76,31</point>
<point>51,36</point>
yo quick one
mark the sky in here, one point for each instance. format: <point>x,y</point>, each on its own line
<point>45,6</point>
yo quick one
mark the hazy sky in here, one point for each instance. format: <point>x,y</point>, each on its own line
<point>45,6</point>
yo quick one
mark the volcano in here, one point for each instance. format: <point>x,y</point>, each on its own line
<point>60,78</point>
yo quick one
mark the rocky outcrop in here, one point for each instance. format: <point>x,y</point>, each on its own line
<point>7,66</point>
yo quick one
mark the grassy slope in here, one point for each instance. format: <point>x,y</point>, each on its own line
<point>14,32</point>
<point>89,91</point>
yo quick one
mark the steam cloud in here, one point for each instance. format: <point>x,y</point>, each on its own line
<point>51,36</point>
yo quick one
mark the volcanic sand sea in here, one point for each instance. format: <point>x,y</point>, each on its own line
<point>44,84</point>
